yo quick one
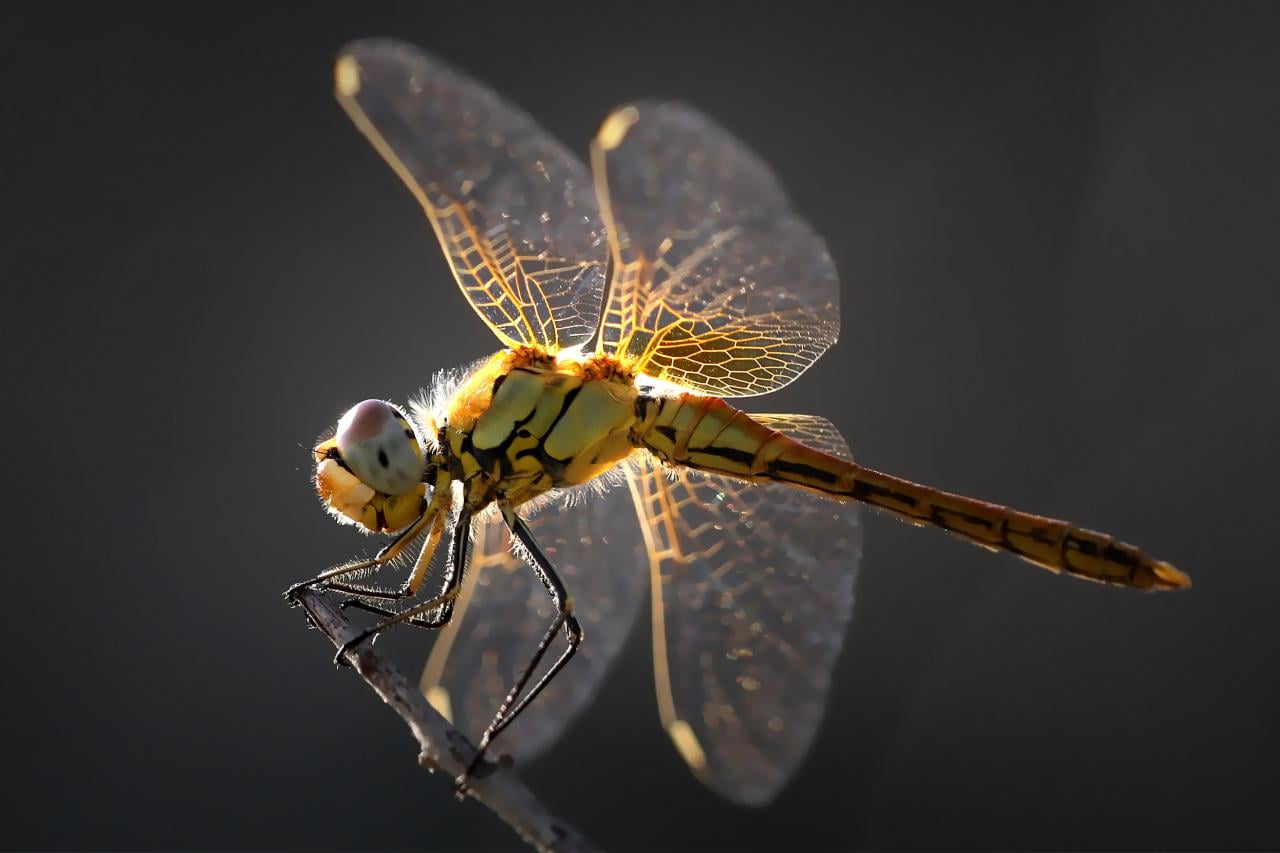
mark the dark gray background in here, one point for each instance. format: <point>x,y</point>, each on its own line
<point>1056,228</point>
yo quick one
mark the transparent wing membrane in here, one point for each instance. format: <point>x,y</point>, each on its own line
<point>504,610</point>
<point>752,594</point>
<point>717,285</point>
<point>514,210</point>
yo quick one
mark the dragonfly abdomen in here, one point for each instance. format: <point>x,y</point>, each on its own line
<point>1046,542</point>
<point>707,433</point>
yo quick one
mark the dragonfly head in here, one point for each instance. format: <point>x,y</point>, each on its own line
<point>371,472</point>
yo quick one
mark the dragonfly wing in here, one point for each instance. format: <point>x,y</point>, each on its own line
<point>503,612</point>
<point>718,285</point>
<point>514,210</point>
<point>752,595</point>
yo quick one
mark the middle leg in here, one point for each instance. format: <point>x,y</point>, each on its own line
<point>564,619</point>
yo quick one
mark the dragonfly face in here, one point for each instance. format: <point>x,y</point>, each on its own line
<point>629,299</point>
<point>371,471</point>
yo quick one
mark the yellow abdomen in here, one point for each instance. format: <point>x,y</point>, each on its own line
<point>709,434</point>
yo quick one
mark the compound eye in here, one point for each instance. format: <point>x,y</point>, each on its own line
<point>373,442</point>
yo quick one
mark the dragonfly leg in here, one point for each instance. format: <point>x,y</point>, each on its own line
<point>564,619</point>
<point>439,608</point>
<point>388,613</point>
<point>394,549</point>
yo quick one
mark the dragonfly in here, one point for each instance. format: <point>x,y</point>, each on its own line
<point>595,460</point>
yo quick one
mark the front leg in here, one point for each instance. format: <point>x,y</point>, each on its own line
<point>439,608</point>
<point>430,521</point>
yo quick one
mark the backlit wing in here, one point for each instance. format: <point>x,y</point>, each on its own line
<point>514,209</point>
<point>504,610</point>
<point>752,595</point>
<point>718,285</point>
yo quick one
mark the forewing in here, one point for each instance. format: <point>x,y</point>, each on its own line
<point>503,612</point>
<point>752,595</point>
<point>718,285</point>
<point>514,209</point>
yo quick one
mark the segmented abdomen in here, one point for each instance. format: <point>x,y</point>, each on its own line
<point>708,434</point>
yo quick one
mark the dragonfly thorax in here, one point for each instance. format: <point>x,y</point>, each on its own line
<point>525,423</point>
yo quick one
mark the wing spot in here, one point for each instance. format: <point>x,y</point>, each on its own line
<point>346,77</point>
<point>687,744</point>
<point>615,127</point>
<point>438,698</point>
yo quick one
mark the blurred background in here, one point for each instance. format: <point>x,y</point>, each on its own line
<point>1056,231</point>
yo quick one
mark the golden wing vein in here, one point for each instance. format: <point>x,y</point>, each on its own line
<point>752,592</point>
<point>514,211</point>
<point>717,285</point>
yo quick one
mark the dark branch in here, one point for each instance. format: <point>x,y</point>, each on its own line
<point>442,747</point>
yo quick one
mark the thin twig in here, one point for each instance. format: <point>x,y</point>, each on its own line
<point>442,747</point>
